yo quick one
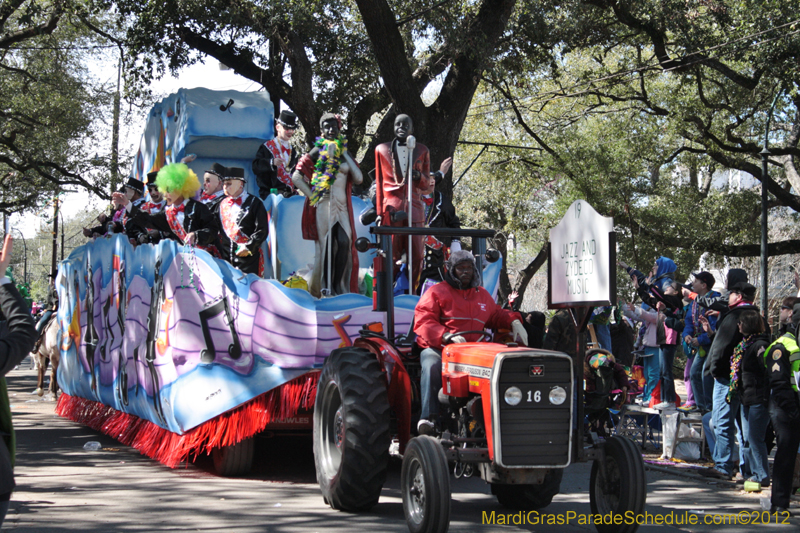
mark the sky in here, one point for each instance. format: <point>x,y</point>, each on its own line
<point>206,74</point>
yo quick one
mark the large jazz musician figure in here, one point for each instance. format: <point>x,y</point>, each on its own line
<point>326,175</point>
<point>400,164</point>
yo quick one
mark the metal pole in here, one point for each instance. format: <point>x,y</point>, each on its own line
<point>386,285</point>
<point>411,143</point>
<point>764,236</point>
<point>63,231</point>
<point>53,266</point>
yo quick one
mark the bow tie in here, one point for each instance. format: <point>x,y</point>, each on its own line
<point>428,200</point>
<point>207,196</point>
<point>237,200</point>
<point>177,208</point>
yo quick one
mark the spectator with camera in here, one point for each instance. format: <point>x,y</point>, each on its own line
<point>697,341</point>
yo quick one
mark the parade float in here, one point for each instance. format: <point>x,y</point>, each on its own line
<point>176,353</point>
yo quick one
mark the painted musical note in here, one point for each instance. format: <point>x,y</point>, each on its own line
<point>208,354</point>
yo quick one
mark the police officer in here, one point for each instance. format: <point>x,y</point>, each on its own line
<point>782,359</point>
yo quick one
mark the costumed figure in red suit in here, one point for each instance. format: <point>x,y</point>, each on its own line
<point>326,175</point>
<point>276,159</point>
<point>187,220</point>
<point>243,222</point>
<point>398,165</point>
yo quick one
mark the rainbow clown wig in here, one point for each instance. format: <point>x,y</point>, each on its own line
<point>178,178</point>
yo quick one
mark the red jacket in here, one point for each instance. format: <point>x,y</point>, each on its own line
<point>391,191</point>
<point>445,309</point>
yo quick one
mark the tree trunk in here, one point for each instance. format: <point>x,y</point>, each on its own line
<point>529,271</point>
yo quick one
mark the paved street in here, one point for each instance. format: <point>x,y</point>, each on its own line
<point>61,487</point>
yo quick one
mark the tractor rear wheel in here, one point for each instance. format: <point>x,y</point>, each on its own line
<point>621,487</point>
<point>425,483</point>
<point>528,497</point>
<point>351,430</point>
<point>234,460</point>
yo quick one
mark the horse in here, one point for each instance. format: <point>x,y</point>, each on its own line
<point>48,351</point>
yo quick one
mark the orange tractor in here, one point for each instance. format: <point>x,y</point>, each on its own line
<point>510,415</point>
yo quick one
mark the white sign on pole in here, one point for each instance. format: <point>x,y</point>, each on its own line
<point>582,258</point>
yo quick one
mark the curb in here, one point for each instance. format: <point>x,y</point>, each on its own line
<point>696,477</point>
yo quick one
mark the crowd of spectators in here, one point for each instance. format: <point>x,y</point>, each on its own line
<point>740,378</point>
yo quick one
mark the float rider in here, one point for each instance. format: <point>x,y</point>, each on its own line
<point>185,219</point>
<point>457,304</point>
<point>276,159</point>
<point>155,205</point>
<point>243,223</point>
<point>212,187</point>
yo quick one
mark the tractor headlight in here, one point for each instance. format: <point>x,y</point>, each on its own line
<point>557,395</point>
<point>513,396</point>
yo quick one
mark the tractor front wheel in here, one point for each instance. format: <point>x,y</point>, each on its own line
<point>351,430</point>
<point>425,482</point>
<point>620,486</point>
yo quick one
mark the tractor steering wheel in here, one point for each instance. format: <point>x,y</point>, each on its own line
<point>485,335</point>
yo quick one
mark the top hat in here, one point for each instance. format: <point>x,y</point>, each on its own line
<point>135,184</point>
<point>151,177</point>
<point>287,119</point>
<point>234,173</point>
<point>218,170</point>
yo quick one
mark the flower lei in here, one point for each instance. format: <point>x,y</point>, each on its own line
<point>325,169</point>
<point>736,363</point>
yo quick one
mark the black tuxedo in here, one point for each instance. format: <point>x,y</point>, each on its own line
<point>134,228</point>
<point>213,205</point>
<point>440,214</point>
<point>267,174</point>
<point>197,218</point>
<point>252,222</point>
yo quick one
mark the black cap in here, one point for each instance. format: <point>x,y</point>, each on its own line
<point>234,173</point>
<point>218,170</point>
<point>135,184</point>
<point>287,119</point>
<point>736,275</point>
<point>747,291</point>
<point>707,278</point>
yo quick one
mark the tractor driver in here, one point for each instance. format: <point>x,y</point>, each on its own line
<point>457,304</point>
